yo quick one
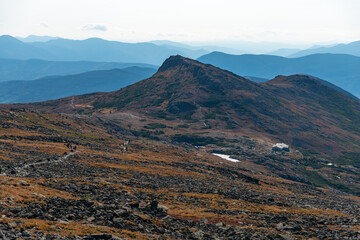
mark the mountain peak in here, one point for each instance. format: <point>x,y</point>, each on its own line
<point>8,39</point>
<point>173,61</point>
<point>188,71</point>
<point>178,61</point>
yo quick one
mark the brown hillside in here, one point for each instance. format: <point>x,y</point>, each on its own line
<point>298,109</point>
<point>154,190</point>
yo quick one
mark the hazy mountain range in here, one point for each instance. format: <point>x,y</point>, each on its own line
<point>201,48</point>
<point>35,38</point>
<point>13,69</point>
<point>339,69</point>
<point>93,49</point>
<point>352,48</point>
<point>284,52</point>
<point>55,48</point>
<point>62,86</point>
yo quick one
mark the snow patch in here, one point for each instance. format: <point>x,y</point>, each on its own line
<point>226,157</point>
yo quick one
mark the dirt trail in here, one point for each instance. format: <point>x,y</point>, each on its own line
<point>23,169</point>
<point>72,102</point>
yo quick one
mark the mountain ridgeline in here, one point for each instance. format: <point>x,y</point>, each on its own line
<point>55,87</point>
<point>92,49</point>
<point>13,69</point>
<point>352,48</point>
<point>297,109</point>
<point>339,69</point>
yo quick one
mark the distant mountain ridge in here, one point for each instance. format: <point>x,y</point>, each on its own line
<point>34,38</point>
<point>284,52</point>
<point>92,49</point>
<point>352,48</point>
<point>55,87</point>
<point>12,69</point>
<point>202,48</point>
<point>11,47</point>
<point>339,69</point>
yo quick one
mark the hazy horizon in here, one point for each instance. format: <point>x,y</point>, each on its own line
<point>289,24</point>
<point>234,47</point>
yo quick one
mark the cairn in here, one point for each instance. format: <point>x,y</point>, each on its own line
<point>71,146</point>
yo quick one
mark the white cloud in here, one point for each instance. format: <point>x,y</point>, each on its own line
<point>91,27</point>
<point>44,25</point>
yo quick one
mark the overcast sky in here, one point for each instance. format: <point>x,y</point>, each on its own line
<point>290,21</point>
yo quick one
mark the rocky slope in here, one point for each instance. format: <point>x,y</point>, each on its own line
<point>153,190</point>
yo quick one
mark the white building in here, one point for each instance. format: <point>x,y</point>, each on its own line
<point>280,147</point>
